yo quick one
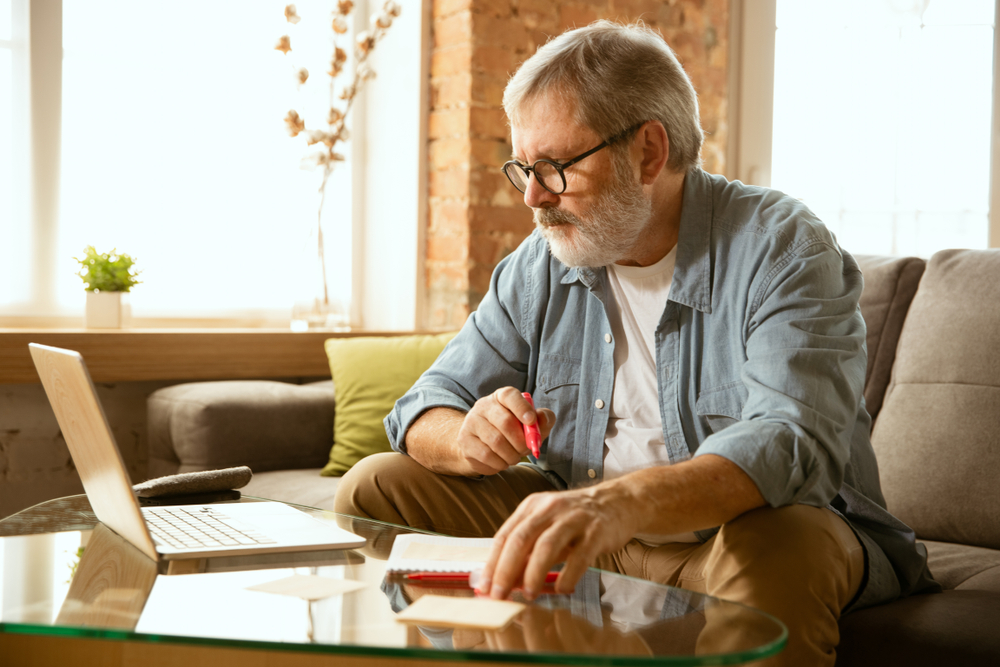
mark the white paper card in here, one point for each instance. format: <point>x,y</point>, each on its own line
<point>308,587</point>
<point>442,611</point>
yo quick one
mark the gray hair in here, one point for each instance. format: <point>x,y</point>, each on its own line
<point>618,76</point>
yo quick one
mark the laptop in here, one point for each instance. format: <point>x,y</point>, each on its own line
<point>235,529</point>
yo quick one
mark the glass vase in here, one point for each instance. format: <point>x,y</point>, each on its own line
<point>322,301</point>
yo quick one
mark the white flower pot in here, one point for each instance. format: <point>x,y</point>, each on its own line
<point>107,310</point>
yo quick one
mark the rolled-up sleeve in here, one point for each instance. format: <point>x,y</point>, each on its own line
<point>491,351</point>
<point>804,375</point>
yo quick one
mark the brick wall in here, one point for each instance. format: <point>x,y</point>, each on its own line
<point>476,217</point>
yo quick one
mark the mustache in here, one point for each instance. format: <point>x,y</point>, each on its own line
<point>550,217</point>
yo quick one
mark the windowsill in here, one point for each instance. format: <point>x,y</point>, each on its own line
<point>123,355</point>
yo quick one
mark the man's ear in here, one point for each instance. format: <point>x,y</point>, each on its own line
<point>654,144</point>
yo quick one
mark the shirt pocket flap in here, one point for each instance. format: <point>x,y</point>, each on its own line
<point>724,401</point>
<point>555,372</point>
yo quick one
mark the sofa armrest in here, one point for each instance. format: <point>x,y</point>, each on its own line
<point>261,424</point>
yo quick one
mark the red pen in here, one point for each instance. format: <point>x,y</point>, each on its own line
<point>532,435</point>
<point>438,576</point>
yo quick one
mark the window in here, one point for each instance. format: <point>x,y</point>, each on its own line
<point>880,118</point>
<point>6,112</point>
<point>170,145</point>
<point>14,239</point>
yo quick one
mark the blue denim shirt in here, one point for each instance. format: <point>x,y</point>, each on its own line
<point>760,358</point>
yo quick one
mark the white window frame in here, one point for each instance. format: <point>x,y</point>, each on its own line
<point>389,174</point>
<point>390,222</point>
<point>752,34</point>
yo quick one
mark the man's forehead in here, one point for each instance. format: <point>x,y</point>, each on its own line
<point>543,135</point>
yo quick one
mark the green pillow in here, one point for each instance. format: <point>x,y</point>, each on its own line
<point>369,375</point>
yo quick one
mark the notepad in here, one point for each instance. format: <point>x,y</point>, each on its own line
<point>442,611</point>
<point>436,553</point>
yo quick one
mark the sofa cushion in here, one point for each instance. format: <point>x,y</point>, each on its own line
<point>936,435</point>
<point>300,487</point>
<point>261,424</point>
<point>962,567</point>
<point>370,374</point>
<point>954,628</point>
<point>890,283</point>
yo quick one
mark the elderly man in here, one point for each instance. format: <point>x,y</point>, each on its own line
<point>695,351</point>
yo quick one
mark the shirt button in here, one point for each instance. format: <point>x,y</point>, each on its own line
<point>598,404</point>
<point>591,473</point>
<point>607,338</point>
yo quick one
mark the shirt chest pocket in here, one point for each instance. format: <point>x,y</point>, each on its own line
<point>558,373</point>
<point>722,406</point>
<point>558,388</point>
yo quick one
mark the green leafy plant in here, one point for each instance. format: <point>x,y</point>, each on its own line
<point>107,271</point>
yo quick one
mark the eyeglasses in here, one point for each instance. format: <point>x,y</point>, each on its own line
<point>549,173</point>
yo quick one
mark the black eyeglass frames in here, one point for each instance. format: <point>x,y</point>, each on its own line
<point>549,173</point>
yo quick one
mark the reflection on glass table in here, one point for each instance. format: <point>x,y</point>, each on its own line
<point>116,593</point>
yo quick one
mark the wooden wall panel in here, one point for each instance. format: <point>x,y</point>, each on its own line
<point>170,354</point>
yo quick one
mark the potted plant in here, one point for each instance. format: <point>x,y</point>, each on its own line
<point>107,275</point>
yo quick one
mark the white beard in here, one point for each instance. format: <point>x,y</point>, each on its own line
<point>608,233</point>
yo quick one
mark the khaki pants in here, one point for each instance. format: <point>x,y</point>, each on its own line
<point>800,564</point>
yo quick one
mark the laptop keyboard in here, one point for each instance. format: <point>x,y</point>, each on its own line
<point>184,528</point>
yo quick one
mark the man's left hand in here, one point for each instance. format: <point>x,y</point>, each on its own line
<point>574,527</point>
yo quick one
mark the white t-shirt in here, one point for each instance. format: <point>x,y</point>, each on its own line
<point>634,439</point>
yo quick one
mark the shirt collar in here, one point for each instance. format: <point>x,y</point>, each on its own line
<point>692,282</point>
<point>587,276</point>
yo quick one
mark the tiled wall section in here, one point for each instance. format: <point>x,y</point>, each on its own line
<point>476,217</point>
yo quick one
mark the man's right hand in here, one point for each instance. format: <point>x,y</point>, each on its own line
<point>492,435</point>
<point>484,441</point>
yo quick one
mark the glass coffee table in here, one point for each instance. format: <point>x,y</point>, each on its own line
<point>112,605</point>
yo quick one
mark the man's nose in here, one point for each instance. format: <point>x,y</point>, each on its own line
<point>536,196</point>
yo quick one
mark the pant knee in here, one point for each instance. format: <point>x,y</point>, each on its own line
<point>362,490</point>
<point>801,564</point>
<point>799,534</point>
<point>796,556</point>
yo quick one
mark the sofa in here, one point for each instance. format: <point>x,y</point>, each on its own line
<point>932,388</point>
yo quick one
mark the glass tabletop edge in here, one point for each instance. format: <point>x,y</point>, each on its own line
<point>575,659</point>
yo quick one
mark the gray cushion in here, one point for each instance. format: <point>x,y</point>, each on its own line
<point>953,628</point>
<point>936,437</point>
<point>987,580</point>
<point>300,487</point>
<point>261,424</point>
<point>963,567</point>
<point>890,283</point>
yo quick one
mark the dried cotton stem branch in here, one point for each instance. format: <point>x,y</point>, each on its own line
<point>336,118</point>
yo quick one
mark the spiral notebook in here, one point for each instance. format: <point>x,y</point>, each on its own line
<point>414,552</point>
